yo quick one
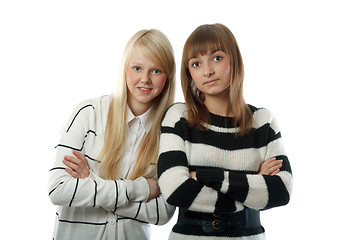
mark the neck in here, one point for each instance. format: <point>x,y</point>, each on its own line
<point>218,106</point>
<point>138,109</point>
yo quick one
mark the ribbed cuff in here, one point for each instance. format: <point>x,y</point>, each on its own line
<point>138,190</point>
<point>210,175</point>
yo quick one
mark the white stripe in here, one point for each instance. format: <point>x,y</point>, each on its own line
<point>221,129</point>
<point>178,176</point>
<point>275,148</point>
<point>171,142</point>
<point>286,177</point>
<point>210,156</point>
<point>258,196</point>
<point>173,115</point>
<point>205,201</point>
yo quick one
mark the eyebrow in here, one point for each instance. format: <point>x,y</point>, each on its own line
<point>212,52</point>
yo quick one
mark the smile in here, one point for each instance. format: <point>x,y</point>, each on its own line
<point>211,81</point>
<point>144,90</point>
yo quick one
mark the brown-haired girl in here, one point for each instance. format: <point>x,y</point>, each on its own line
<point>221,160</point>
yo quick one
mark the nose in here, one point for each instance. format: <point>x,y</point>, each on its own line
<point>146,78</point>
<point>208,70</point>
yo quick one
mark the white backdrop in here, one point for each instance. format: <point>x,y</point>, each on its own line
<point>301,61</point>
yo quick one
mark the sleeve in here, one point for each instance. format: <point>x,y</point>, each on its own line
<point>253,190</point>
<point>66,190</point>
<point>155,211</point>
<point>175,182</point>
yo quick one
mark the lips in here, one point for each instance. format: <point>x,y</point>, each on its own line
<point>144,89</point>
<point>211,81</point>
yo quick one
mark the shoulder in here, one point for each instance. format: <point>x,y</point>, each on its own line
<point>93,104</point>
<point>175,113</point>
<point>85,111</point>
<point>262,116</point>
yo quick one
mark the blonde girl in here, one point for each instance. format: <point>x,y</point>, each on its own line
<point>221,160</point>
<point>103,177</point>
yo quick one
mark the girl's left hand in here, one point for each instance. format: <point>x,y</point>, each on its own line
<point>193,175</point>
<point>78,166</point>
<point>270,167</point>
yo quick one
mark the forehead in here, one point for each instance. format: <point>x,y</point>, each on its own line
<point>139,55</point>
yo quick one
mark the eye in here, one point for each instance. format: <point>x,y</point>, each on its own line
<point>136,68</point>
<point>217,58</point>
<point>195,64</point>
<point>156,71</point>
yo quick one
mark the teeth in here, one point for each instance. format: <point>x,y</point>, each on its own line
<point>145,89</point>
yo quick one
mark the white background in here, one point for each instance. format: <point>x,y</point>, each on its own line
<point>301,61</point>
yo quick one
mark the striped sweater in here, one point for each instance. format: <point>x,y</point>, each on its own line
<point>227,168</point>
<point>94,208</point>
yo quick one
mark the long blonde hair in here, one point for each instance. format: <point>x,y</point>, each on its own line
<point>204,39</point>
<point>156,46</point>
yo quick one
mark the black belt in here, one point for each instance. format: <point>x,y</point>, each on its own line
<point>245,219</point>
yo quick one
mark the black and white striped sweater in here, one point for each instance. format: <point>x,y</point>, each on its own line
<point>227,166</point>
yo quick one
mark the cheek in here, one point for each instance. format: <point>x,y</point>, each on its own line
<point>226,69</point>
<point>160,82</point>
<point>129,76</point>
<point>193,74</point>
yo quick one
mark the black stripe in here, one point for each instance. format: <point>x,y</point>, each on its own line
<point>171,159</point>
<point>92,159</point>
<point>72,199</point>
<point>79,222</point>
<point>137,213</point>
<point>256,138</point>
<point>117,196</point>
<point>157,211</point>
<point>95,193</point>
<point>286,164</point>
<point>126,192</point>
<point>82,146</point>
<point>73,148</point>
<point>272,136</point>
<point>91,131</point>
<point>55,188</point>
<point>278,194</point>
<point>57,168</point>
<point>191,187</point>
<point>238,186</point>
<point>125,218</point>
<point>224,204</point>
<point>77,114</point>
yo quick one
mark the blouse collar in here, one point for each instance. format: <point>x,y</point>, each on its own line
<point>145,118</point>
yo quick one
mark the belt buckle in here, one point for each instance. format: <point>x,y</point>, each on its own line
<point>214,223</point>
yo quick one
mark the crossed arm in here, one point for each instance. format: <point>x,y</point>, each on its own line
<point>77,166</point>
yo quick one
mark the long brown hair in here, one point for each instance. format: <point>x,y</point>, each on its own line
<point>155,45</point>
<point>204,39</point>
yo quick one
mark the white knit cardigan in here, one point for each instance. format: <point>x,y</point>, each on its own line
<point>94,208</point>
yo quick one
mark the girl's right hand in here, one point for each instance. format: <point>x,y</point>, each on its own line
<point>154,188</point>
<point>78,166</point>
<point>270,167</point>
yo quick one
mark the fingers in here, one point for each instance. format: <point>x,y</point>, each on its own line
<point>79,156</point>
<point>72,173</point>
<point>154,188</point>
<point>78,166</point>
<point>275,172</point>
<point>193,175</point>
<point>270,167</point>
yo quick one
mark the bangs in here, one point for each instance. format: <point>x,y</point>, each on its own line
<point>151,51</point>
<point>205,40</point>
